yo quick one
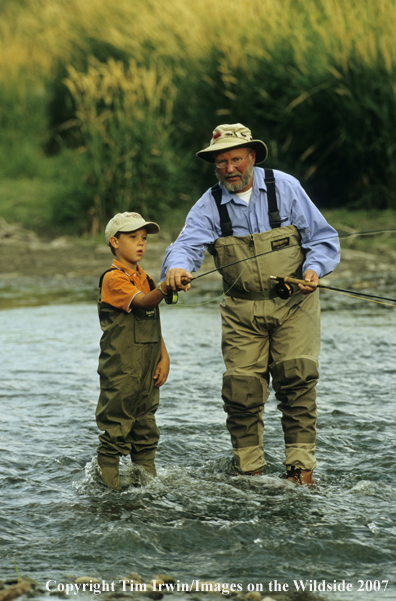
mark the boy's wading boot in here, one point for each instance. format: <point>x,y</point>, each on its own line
<point>299,476</point>
<point>109,470</point>
<point>256,473</point>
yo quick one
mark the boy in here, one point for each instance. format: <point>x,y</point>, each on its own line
<point>133,362</point>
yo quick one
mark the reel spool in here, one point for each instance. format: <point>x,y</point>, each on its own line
<point>284,290</point>
<point>172,297</point>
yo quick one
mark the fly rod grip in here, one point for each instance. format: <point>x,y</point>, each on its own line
<point>288,280</point>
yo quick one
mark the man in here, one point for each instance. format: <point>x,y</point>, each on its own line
<point>252,212</point>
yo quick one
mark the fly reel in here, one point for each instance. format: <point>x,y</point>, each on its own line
<point>284,290</point>
<point>171,297</point>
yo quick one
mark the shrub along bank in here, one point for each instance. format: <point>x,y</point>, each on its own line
<point>106,104</point>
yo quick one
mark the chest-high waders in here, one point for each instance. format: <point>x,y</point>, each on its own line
<point>130,351</point>
<point>263,336</point>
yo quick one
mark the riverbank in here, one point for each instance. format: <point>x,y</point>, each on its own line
<point>36,271</point>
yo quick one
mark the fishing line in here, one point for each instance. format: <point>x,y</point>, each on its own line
<point>212,300</point>
<point>351,293</point>
<point>285,290</point>
<point>368,299</point>
<point>312,242</point>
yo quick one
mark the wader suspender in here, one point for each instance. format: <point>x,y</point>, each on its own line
<point>273,212</point>
<point>225,222</point>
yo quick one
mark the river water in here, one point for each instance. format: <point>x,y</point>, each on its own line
<point>197,520</point>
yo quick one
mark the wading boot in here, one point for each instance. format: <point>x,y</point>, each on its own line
<point>109,470</point>
<point>257,473</point>
<point>299,476</point>
<point>149,468</point>
<point>149,465</point>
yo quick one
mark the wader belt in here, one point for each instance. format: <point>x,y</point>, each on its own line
<point>254,296</point>
<point>273,212</point>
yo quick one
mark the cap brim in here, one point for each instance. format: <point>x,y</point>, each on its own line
<point>207,154</point>
<point>149,226</point>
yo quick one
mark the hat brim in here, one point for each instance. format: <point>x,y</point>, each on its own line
<point>149,226</point>
<point>208,154</point>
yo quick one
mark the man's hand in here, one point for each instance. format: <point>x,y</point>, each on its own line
<point>309,276</point>
<point>178,279</point>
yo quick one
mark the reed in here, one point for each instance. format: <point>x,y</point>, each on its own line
<point>39,34</point>
<point>315,79</point>
<point>123,117</point>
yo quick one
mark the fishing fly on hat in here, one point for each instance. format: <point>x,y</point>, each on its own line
<point>227,137</point>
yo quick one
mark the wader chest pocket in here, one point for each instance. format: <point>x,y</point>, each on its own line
<point>147,328</point>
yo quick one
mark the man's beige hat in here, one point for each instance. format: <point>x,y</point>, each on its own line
<point>226,137</point>
<point>129,222</point>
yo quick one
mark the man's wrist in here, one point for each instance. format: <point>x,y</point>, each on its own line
<point>315,268</point>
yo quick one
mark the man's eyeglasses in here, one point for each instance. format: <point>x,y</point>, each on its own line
<point>235,162</point>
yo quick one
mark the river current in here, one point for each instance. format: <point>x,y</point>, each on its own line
<point>198,520</point>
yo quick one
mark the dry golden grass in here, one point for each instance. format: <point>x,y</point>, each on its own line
<point>293,54</point>
<point>44,31</point>
<point>138,92</point>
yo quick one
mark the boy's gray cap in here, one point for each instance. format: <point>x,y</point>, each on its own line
<point>227,137</point>
<point>129,222</point>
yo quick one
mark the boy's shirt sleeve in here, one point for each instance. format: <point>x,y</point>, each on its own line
<point>118,290</point>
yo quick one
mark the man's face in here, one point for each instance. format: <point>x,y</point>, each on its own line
<point>234,169</point>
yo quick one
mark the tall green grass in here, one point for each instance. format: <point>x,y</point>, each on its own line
<point>136,90</point>
<point>123,118</point>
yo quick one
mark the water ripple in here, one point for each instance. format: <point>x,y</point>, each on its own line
<point>198,518</point>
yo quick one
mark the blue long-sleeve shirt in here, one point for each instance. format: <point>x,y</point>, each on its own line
<point>202,225</point>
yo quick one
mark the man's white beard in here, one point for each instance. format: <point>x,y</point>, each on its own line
<point>245,179</point>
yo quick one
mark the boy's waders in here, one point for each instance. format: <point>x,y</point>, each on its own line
<point>130,351</point>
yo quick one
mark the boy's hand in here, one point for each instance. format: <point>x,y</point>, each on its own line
<point>162,371</point>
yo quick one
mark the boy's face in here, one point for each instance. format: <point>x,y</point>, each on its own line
<point>130,247</point>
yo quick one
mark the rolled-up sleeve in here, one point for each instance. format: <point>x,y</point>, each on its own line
<point>319,239</point>
<point>202,228</point>
<point>199,231</point>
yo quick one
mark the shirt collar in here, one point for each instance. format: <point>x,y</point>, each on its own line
<point>124,268</point>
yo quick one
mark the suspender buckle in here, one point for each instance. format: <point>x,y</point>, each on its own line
<point>274,219</point>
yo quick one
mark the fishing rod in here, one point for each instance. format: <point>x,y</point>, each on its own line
<point>285,288</point>
<point>172,296</point>
<point>312,242</point>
